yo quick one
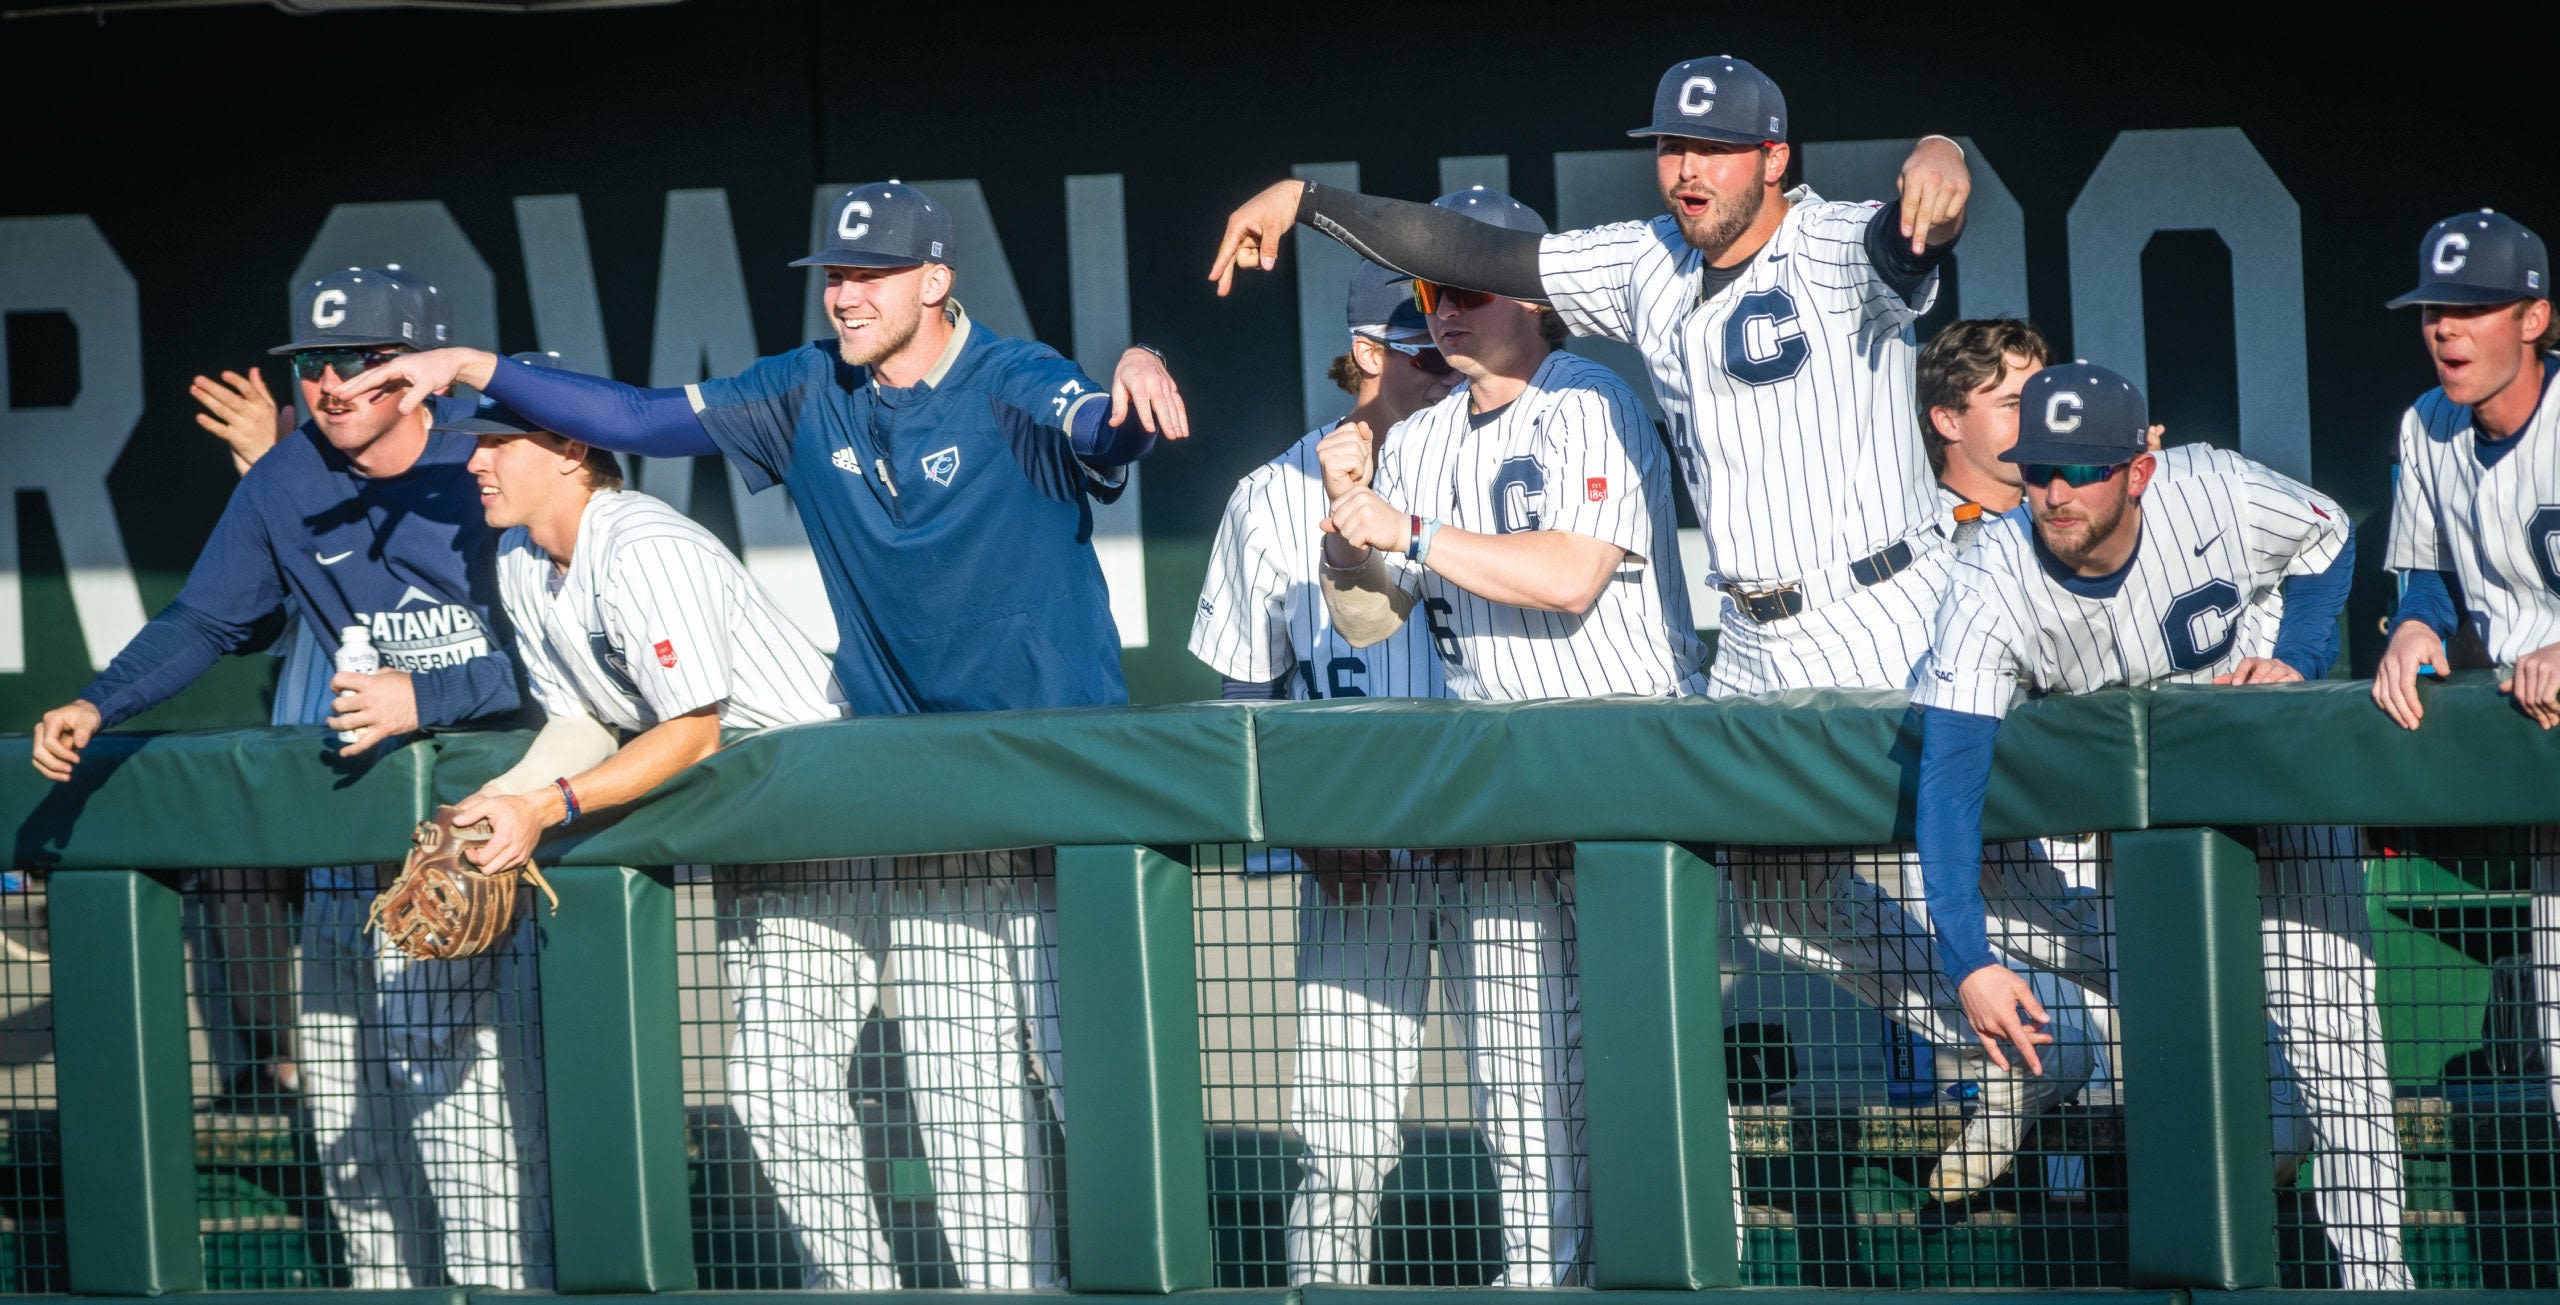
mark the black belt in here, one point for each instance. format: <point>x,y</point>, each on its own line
<point>1787,600</point>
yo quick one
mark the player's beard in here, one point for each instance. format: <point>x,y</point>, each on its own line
<point>2098,524</point>
<point>1724,222</point>
<point>885,338</point>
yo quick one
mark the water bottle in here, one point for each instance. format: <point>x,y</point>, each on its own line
<point>356,656</point>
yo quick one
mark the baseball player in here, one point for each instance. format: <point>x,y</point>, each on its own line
<point>2129,575</point>
<point>946,476</point>
<point>1526,521</point>
<point>632,619</point>
<point>1261,625</point>
<point>416,1072</point>
<point>1777,329</point>
<point>2478,507</point>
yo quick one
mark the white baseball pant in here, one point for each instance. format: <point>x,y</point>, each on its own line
<point>2326,1034</point>
<point>449,1053</point>
<point>800,951</point>
<point>1505,940</point>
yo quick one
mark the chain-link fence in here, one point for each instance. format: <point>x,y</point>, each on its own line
<point>1392,1059</point>
<point>362,1119</point>
<point>872,1073</point>
<point>31,1253</point>
<point>2464,930</point>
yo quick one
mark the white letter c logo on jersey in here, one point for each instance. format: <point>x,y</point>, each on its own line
<point>850,229</point>
<point>2451,253</point>
<point>2054,420</point>
<point>1698,96</point>
<point>329,308</point>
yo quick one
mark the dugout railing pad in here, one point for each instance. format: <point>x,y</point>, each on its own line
<point>1641,787</point>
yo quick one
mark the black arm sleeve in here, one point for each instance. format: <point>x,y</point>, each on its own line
<point>1890,251</point>
<point>1432,244</point>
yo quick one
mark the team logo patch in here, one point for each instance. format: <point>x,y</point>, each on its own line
<point>941,465</point>
<point>666,650</point>
<point>847,460</point>
<point>1596,489</point>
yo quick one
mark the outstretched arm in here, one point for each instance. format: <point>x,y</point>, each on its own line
<point>1431,244</point>
<point>657,423</point>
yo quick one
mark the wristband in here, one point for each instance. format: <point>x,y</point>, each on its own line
<point>1422,546</point>
<point>1948,139</point>
<point>1413,545</point>
<point>1149,348</point>
<point>569,799</point>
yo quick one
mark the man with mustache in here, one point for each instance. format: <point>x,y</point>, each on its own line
<point>2141,568</point>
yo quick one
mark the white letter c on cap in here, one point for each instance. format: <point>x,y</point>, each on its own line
<point>329,308</point>
<point>1697,95</point>
<point>2450,255</point>
<point>2054,420</point>
<point>850,229</point>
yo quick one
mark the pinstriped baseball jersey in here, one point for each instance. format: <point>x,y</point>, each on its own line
<point>1261,615</point>
<point>1573,452</point>
<point>2218,533</point>
<point>654,618</point>
<point>1788,391</point>
<point>2496,528</point>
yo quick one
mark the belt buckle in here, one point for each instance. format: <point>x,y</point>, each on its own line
<point>1775,603</point>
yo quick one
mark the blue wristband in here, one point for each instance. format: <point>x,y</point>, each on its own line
<point>1422,543</point>
<point>568,799</point>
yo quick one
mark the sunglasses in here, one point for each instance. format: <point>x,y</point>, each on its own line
<point>1428,297</point>
<point>2074,474</point>
<point>1424,357</point>
<point>347,363</point>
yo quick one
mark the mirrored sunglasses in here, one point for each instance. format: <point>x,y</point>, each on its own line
<point>2074,474</point>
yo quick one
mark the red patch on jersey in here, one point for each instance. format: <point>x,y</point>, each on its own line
<point>666,652</point>
<point>2316,508</point>
<point>1596,488</point>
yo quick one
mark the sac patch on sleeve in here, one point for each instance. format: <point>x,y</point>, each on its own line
<point>1596,489</point>
<point>666,650</point>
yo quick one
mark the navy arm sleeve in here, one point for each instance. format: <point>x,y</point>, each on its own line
<point>604,412</point>
<point>2307,637</point>
<point>2428,599</point>
<point>1955,770</point>
<point>474,690</point>
<point>1098,444</point>
<point>1890,251</point>
<point>1433,244</point>
<point>166,655</point>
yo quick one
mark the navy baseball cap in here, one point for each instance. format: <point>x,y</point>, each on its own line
<point>1718,98</point>
<point>1380,302</point>
<point>2083,414</point>
<point>1485,204</point>
<point>490,417</point>
<point>884,224</point>
<point>2479,258</point>
<point>368,306</point>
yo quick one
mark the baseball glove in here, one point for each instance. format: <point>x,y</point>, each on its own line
<point>444,905</point>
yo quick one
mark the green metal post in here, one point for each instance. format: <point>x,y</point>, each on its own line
<point>613,1086</point>
<point>1129,1014</point>
<point>121,1074</point>
<point>1662,1199</point>
<point>2192,1005</point>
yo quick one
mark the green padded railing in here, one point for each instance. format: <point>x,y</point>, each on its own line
<point>1635,783</point>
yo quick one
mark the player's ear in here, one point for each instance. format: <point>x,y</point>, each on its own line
<point>2138,475</point>
<point>1369,356</point>
<point>573,454</point>
<point>1943,420</point>
<point>937,283</point>
<point>1773,163</point>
